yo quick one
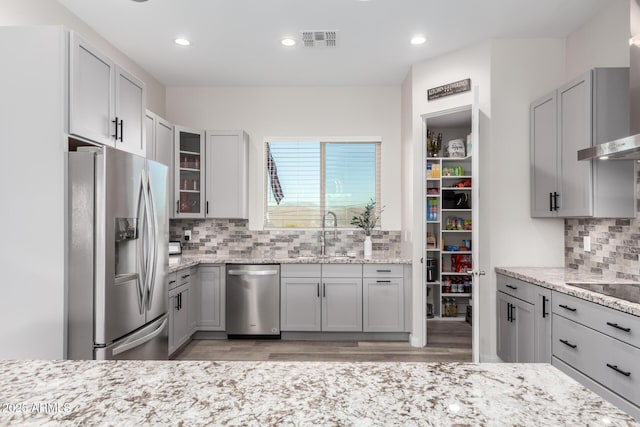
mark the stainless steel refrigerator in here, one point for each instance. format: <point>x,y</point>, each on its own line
<point>117,256</point>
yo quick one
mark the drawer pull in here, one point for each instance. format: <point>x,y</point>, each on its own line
<point>511,287</point>
<point>185,276</point>
<point>622,328</point>
<point>567,343</point>
<point>618,370</point>
<point>172,281</point>
<point>566,307</point>
<point>383,281</point>
<point>383,271</point>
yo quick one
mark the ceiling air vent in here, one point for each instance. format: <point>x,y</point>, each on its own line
<point>320,38</point>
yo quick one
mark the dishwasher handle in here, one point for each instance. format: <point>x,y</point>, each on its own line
<point>252,272</point>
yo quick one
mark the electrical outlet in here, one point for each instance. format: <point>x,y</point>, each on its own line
<point>587,244</point>
<point>187,235</point>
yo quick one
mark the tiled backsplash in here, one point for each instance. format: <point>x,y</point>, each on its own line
<point>231,237</point>
<point>615,245</point>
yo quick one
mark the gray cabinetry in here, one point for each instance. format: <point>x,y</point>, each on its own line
<point>227,174</point>
<point>342,304</point>
<point>524,322</point>
<point>586,111</point>
<point>179,285</point>
<point>383,298</point>
<point>211,313</point>
<point>159,147</point>
<point>107,103</point>
<point>598,344</point>
<point>189,173</point>
<point>300,297</point>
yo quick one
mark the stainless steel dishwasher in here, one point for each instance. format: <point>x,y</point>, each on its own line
<point>253,299</point>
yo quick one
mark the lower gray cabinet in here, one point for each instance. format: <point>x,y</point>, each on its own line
<point>179,331</point>
<point>524,321</point>
<point>211,304</point>
<point>383,304</point>
<point>585,341</point>
<point>342,304</point>
<point>515,329</point>
<point>300,304</point>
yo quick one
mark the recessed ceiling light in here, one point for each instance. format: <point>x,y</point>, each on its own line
<point>182,42</point>
<point>288,42</point>
<point>418,39</point>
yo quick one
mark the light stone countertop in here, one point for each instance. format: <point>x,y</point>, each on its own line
<point>179,262</point>
<point>120,393</point>
<point>560,279</point>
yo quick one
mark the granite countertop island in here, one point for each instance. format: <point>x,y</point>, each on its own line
<point>178,262</point>
<point>295,393</point>
<point>564,280</point>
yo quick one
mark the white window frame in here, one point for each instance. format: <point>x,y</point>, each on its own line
<point>321,139</point>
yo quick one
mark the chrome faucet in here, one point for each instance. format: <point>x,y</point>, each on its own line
<point>323,241</point>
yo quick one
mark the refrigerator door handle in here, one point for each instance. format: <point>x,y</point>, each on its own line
<point>153,228</point>
<point>138,342</point>
<point>143,244</point>
<point>147,240</point>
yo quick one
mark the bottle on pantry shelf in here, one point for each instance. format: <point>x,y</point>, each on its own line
<point>453,310</point>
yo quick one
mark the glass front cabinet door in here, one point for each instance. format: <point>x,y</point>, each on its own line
<point>189,179</point>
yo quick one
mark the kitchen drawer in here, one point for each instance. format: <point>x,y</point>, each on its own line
<point>608,361</point>
<point>516,288</point>
<point>172,280</point>
<point>382,270</point>
<point>183,276</point>
<point>571,343</point>
<point>623,326</point>
<point>341,270</point>
<point>300,270</point>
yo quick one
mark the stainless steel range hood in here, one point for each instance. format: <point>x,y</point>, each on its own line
<point>627,148</point>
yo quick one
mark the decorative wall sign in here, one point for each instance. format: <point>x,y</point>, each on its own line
<point>449,89</point>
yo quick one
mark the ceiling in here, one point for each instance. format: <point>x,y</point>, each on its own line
<point>237,42</point>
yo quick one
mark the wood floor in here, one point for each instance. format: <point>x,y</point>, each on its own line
<point>446,342</point>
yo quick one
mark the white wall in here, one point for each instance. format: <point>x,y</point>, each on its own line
<point>516,239</point>
<point>50,12</point>
<point>600,42</point>
<point>299,111</point>
<point>407,164</point>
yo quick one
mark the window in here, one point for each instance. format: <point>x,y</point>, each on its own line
<point>305,179</point>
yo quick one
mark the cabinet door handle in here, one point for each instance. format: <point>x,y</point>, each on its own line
<point>550,202</point>
<point>121,129</point>
<point>512,287</point>
<point>383,281</point>
<point>566,307</point>
<point>318,288</point>
<point>176,306</point>
<point>177,206</point>
<point>207,207</point>
<point>567,343</point>
<point>508,312</point>
<point>618,370</point>
<point>544,307</point>
<point>115,128</point>
<point>324,290</point>
<point>555,201</point>
<point>622,328</point>
<point>513,317</point>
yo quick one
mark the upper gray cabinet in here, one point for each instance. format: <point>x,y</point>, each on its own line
<point>106,103</point>
<point>189,175</point>
<point>588,110</point>
<point>227,174</point>
<point>159,147</point>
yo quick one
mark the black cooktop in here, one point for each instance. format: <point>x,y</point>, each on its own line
<point>628,291</point>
